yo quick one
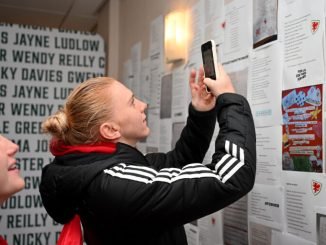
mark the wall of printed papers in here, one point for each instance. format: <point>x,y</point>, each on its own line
<point>274,52</point>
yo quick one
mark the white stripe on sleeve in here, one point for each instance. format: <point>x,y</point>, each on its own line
<point>234,150</point>
<point>227,166</point>
<point>220,162</point>
<point>168,175</point>
<point>227,146</point>
<point>232,172</point>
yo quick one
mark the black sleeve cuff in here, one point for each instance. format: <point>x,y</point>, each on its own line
<point>193,112</point>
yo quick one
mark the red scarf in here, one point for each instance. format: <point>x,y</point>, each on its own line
<point>3,241</point>
<point>58,148</point>
<point>71,233</point>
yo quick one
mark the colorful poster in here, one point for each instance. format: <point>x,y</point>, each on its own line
<point>302,129</point>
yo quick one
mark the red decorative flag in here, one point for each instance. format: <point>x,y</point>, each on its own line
<point>315,187</point>
<point>314,26</point>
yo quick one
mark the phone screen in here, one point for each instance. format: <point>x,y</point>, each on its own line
<point>209,63</point>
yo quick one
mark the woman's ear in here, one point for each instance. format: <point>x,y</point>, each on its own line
<point>110,131</point>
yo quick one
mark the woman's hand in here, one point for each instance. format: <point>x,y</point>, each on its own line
<point>222,84</point>
<point>201,100</point>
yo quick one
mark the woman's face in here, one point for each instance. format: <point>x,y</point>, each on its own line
<point>10,179</point>
<point>129,114</point>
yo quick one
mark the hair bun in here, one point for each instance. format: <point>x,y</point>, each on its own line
<point>56,124</point>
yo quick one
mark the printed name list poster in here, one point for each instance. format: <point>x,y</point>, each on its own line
<point>38,69</point>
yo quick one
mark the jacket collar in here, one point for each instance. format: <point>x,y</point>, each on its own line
<point>58,148</point>
<point>110,153</point>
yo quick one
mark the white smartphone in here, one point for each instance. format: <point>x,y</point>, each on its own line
<point>209,55</point>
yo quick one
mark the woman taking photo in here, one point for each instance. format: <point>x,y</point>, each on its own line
<point>124,197</point>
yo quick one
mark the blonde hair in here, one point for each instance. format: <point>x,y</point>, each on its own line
<point>86,108</point>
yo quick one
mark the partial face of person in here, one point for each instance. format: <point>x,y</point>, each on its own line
<point>10,179</point>
<point>129,114</point>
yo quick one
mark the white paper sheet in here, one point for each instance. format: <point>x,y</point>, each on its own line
<point>156,36</point>
<point>303,27</point>
<point>165,139</point>
<point>259,234</point>
<point>235,222</point>
<point>166,114</point>
<point>265,205</point>
<point>192,233</point>
<point>144,88</point>
<point>211,149</point>
<point>269,151</point>
<point>303,192</point>
<point>127,77</point>
<point>153,122</point>
<point>237,37</point>
<point>264,21</point>
<point>155,83</point>
<point>180,94</point>
<point>156,61</point>
<point>166,97</point>
<point>238,73</point>
<point>177,128</point>
<point>196,24</point>
<point>135,58</point>
<point>210,229</point>
<point>214,20</point>
<point>265,86</point>
<point>281,238</point>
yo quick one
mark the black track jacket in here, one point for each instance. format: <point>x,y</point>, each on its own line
<point>128,198</point>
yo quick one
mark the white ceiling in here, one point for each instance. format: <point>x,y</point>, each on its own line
<point>67,14</point>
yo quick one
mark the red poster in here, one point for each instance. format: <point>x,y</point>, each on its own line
<point>302,129</point>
